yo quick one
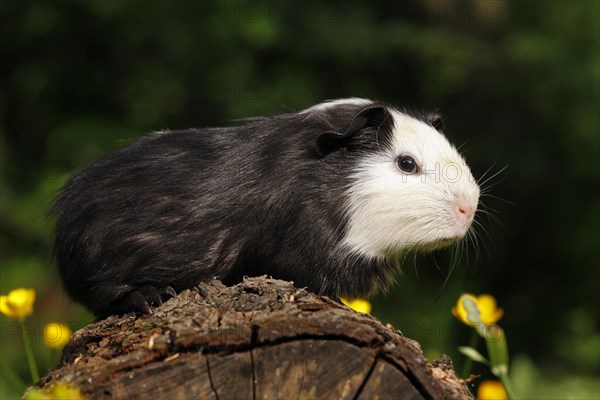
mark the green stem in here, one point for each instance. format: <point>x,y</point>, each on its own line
<point>30,359</point>
<point>468,362</point>
<point>508,386</point>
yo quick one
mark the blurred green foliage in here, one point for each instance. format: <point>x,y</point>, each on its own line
<point>518,83</point>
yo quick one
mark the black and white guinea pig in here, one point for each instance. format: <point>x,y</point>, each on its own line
<point>329,197</point>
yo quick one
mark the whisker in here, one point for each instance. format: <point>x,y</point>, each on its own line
<point>487,250</point>
<point>470,237</point>
<point>476,244</point>
<point>476,240</point>
<point>485,173</point>
<point>480,225</point>
<point>460,147</point>
<point>454,262</point>
<point>486,189</point>
<point>491,217</point>
<point>482,184</point>
<point>497,198</point>
<point>415,264</point>
<point>484,210</point>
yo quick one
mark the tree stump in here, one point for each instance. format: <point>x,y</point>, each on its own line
<point>260,339</point>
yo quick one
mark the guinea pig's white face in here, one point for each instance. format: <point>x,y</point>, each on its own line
<point>417,193</point>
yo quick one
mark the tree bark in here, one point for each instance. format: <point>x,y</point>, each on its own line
<point>260,339</point>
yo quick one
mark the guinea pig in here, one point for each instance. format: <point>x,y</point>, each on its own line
<point>330,198</point>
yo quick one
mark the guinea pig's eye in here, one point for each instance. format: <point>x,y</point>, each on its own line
<point>408,164</point>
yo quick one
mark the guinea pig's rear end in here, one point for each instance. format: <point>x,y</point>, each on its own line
<point>329,198</point>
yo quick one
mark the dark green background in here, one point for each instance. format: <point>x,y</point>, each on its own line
<point>517,82</point>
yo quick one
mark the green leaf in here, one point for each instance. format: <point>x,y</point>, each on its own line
<point>497,349</point>
<point>473,354</point>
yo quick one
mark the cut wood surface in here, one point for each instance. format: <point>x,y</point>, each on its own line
<point>260,339</point>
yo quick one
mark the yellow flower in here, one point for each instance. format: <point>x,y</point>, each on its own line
<point>491,390</point>
<point>18,304</point>
<point>60,391</point>
<point>489,313</point>
<point>56,335</point>
<point>360,305</point>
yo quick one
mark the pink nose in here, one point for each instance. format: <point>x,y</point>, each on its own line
<point>465,210</point>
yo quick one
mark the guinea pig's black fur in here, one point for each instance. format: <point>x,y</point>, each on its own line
<point>177,208</point>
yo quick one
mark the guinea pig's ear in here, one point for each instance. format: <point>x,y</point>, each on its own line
<point>371,116</point>
<point>434,119</point>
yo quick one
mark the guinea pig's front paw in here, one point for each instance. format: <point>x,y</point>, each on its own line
<point>143,298</point>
